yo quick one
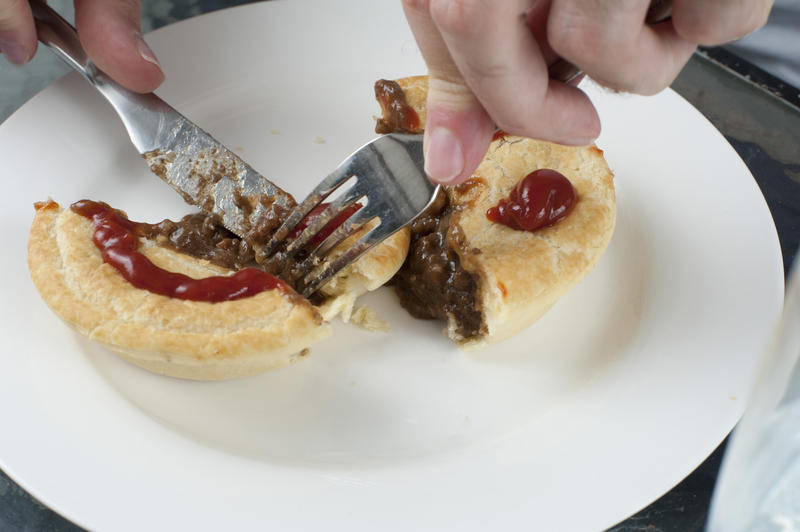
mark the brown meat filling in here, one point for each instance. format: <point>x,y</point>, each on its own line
<point>200,236</point>
<point>432,283</point>
<point>398,116</point>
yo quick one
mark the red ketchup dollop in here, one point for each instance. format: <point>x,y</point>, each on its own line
<point>117,239</point>
<point>541,199</point>
<point>326,231</point>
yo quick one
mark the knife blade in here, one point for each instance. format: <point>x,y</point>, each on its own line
<point>203,171</point>
<point>209,175</point>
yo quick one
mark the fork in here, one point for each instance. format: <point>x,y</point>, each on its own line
<point>390,186</point>
<point>389,176</point>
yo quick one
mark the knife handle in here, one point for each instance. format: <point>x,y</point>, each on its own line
<point>133,108</point>
<point>59,35</point>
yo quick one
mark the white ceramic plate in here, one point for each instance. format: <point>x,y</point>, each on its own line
<point>599,408</point>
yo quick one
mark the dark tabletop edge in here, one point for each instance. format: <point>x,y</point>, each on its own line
<point>742,68</point>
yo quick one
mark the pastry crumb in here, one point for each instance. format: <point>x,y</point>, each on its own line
<point>365,317</point>
<point>318,140</point>
<point>274,132</point>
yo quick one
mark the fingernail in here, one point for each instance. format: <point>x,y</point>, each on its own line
<point>145,51</point>
<point>444,157</point>
<point>14,52</point>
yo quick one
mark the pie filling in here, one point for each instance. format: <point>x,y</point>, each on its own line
<point>432,283</point>
<point>118,240</point>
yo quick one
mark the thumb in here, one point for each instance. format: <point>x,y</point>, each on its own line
<point>458,129</point>
<point>457,133</point>
<point>110,31</point>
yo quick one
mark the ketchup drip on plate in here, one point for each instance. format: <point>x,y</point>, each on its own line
<point>541,199</point>
<point>117,239</point>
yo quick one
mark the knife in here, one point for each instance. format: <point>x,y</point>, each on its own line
<point>203,171</point>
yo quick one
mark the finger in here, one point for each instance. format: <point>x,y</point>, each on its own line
<point>110,31</point>
<point>713,22</point>
<point>17,31</point>
<point>536,19</point>
<point>458,129</point>
<point>611,43</point>
<point>496,52</point>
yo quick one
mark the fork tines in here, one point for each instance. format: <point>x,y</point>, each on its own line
<point>389,185</point>
<point>308,239</point>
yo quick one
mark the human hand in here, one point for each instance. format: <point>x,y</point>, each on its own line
<point>109,30</point>
<point>487,61</point>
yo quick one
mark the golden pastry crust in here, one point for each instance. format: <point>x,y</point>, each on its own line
<point>521,274</point>
<point>371,271</point>
<point>180,338</point>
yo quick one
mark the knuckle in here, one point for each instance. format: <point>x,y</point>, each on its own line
<point>523,121</point>
<point>725,24</point>
<point>759,17</point>
<point>645,87</point>
<point>487,74</point>
<point>457,17</point>
<point>129,9</point>
<point>11,14</point>
<point>449,88</point>
<point>622,82</point>
<point>699,30</point>
<point>645,79</point>
<point>589,31</point>
<point>511,100</point>
<point>581,42</point>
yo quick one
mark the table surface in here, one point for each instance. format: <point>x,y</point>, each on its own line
<point>758,114</point>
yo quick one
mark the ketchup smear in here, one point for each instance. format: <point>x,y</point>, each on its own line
<point>116,238</point>
<point>541,199</point>
<point>328,230</point>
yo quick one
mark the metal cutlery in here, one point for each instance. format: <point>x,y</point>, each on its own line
<point>389,182</point>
